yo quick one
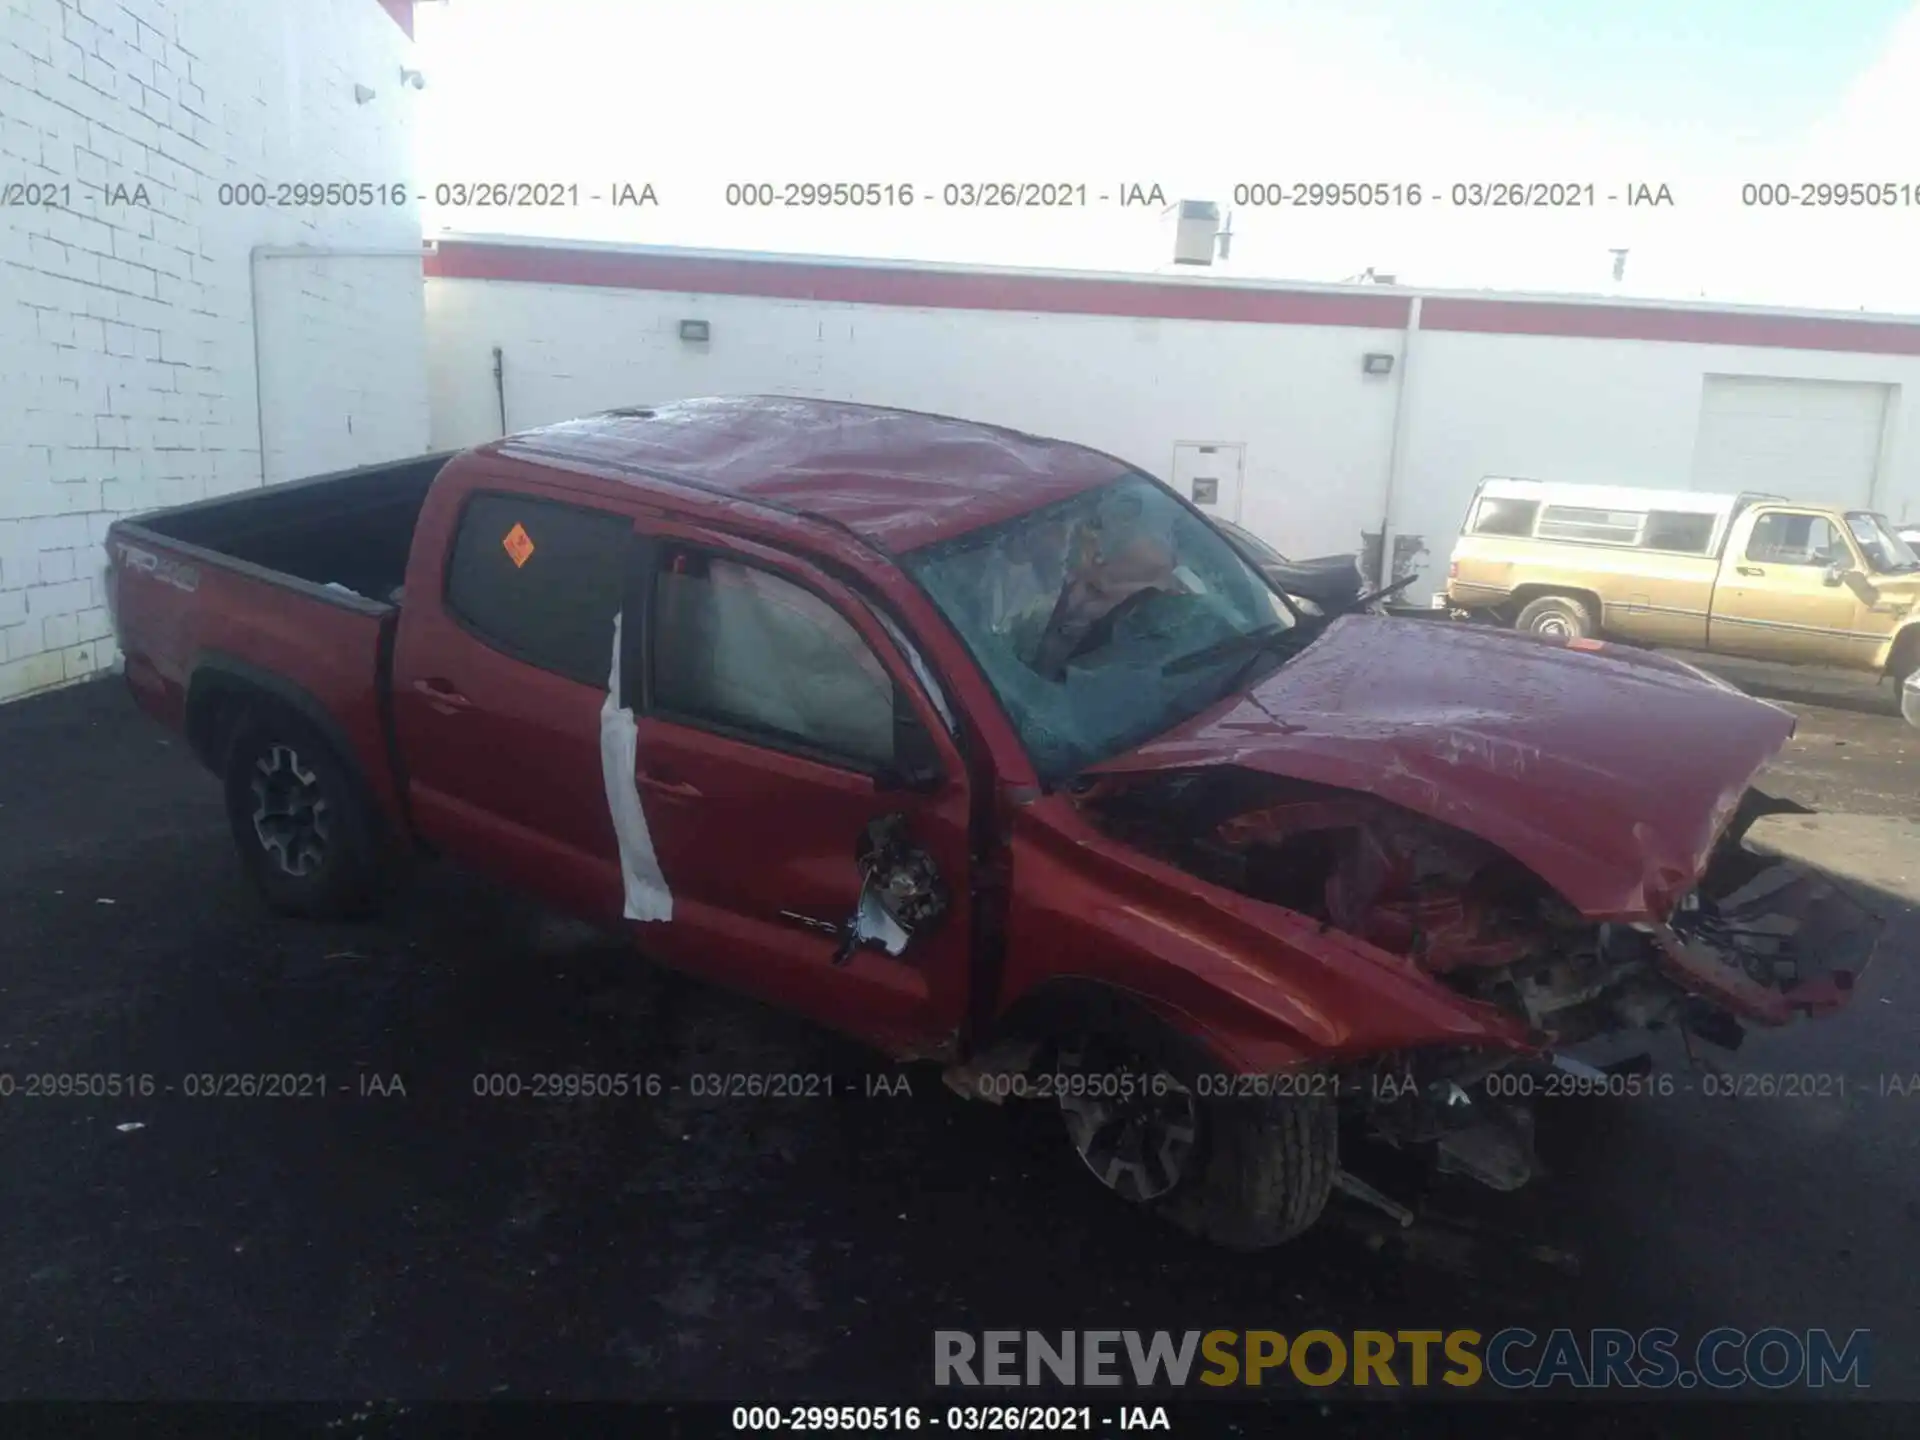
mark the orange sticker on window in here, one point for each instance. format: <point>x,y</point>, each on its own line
<point>519,545</point>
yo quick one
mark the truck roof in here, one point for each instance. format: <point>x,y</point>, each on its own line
<point>1617,497</point>
<point>897,478</point>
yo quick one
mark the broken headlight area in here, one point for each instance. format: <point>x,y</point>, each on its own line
<point>1759,940</point>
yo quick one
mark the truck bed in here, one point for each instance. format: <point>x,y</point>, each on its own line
<point>349,530</point>
<point>288,593</point>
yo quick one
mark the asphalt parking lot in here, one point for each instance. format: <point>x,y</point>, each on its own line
<point>403,1236</point>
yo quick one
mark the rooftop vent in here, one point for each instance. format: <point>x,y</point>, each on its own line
<point>1198,234</point>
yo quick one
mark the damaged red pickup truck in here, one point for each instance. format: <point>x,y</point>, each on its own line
<point>989,749</point>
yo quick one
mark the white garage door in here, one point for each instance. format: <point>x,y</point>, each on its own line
<point>1812,440</point>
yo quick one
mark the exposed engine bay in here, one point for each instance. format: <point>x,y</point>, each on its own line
<point>1758,941</point>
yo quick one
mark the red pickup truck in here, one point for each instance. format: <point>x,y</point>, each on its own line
<point>989,749</point>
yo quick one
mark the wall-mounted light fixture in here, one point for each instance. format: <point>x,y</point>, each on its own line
<point>695,330</point>
<point>361,94</point>
<point>1377,364</point>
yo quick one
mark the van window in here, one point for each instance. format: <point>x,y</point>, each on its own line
<point>1501,515</point>
<point>1678,530</point>
<point>1605,527</point>
<point>1780,538</point>
<point>541,581</point>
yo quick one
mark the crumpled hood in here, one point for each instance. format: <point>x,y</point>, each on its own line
<point>1608,772</point>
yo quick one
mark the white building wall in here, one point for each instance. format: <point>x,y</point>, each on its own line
<point>1621,412</point>
<point>1316,429</point>
<point>1318,433</point>
<point>127,328</point>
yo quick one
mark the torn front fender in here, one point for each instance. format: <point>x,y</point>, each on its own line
<point>1263,987</point>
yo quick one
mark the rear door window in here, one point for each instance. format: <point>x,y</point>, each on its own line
<point>1502,515</point>
<point>541,581</point>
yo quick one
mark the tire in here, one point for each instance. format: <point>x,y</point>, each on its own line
<point>1901,668</point>
<point>1252,1173</point>
<point>305,832</point>
<point>1904,660</point>
<point>1559,617</point>
<point>1269,1167</point>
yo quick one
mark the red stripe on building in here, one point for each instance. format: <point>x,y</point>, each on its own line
<point>1695,327</point>
<point>879,284</point>
<point>402,13</point>
<point>886,285</point>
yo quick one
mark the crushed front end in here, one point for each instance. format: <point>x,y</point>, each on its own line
<point>1756,941</point>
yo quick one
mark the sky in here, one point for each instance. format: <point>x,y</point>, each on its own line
<point>1197,98</point>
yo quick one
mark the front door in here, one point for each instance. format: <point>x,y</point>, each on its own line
<point>1774,600</point>
<point>777,716</point>
<point>1209,476</point>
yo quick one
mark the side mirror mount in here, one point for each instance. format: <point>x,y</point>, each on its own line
<point>916,767</point>
<point>896,779</point>
<point>901,892</point>
<point>1836,573</point>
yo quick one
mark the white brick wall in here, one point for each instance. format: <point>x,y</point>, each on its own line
<point>127,376</point>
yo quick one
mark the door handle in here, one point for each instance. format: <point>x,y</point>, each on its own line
<point>678,789</point>
<point>1749,569</point>
<point>442,696</point>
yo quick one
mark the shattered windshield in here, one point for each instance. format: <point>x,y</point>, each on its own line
<point>1886,552</point>
<point>1106,619</point>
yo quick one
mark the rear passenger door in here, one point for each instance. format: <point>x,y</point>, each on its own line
<point>499,675</point>
<point>779,715</point>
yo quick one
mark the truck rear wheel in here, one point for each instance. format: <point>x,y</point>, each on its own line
<point>1561,617</point>
<point>1243,1172</point>
<point>306,835</point>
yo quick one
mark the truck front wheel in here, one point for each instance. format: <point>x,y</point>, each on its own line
<point>1560,617</point>
<point>1905,658</point>
<point>1242,1171</point>
<point>306,836</point>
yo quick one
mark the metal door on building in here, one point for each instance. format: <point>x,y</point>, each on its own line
<point>1816,441</point>
<point>1209,474</point>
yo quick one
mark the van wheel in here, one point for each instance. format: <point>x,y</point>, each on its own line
<point>307,837</point>
<point>1559,617</point>
<point>1244,1173</point>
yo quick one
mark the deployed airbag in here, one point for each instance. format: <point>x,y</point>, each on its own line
<point>647,897</point>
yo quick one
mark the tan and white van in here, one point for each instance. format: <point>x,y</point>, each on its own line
<point>1752,575</point>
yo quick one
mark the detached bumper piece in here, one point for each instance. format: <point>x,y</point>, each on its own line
<point>1789,941</point>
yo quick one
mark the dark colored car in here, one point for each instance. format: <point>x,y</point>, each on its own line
<point>1330,583</point>
<point>988,750</point>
